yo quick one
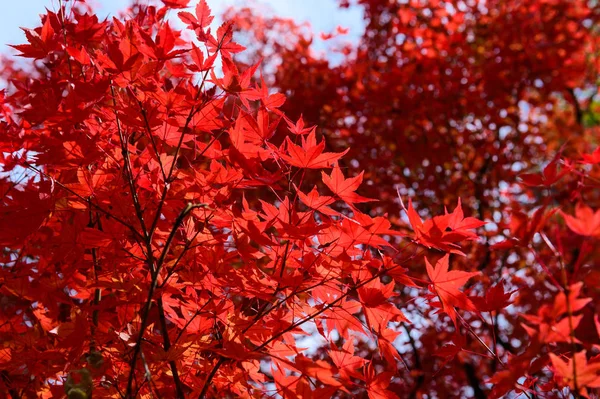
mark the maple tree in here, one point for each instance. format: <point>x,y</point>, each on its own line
<point>195,212</point>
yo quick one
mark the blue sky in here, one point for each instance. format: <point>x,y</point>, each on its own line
<point>323,15</point>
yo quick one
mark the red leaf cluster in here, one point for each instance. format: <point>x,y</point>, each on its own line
<point>184,218</point>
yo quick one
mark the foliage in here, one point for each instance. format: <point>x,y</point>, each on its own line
<point>171,227</point>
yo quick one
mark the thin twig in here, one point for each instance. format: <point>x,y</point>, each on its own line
<point>567,293</point>
<point>153,285</point>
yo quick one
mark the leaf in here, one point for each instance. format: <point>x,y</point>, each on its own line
<point>175,3</point>
<point>495,299</point>
<point>346,362</point>
<point>298,128</point>
<point>549,175</point>
<point>261,92</point>
<point>344,188</point>
<point>203,14</point>
<point>95,238</point>
<point>523,227</point>
<point>341,318</point>
<point>310,155</point>
<point>379,310</point>
<point>318,369</point>
<point>593,158</point>
<point>318,202</point>
<point>377,384</point>
<point>587,374</point>
<point>224,43</point>
<point>443,232</point>
<point>446,285</point>
<point>586,222</point>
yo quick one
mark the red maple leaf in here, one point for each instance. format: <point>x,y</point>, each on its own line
<point>447,284</point>
<point>346,362</point>
<point>203,16</point>
<point>261,92</point>
<point>443,232</point>
<point>377,383</point>
<point>549,175</point>
<point>310,155</point>
<point>586,374</point>
<point>176,3</point>
<point>495,299</point>
<point>592,158</point>
<point>344,188</point>
<point>298,127</point>
<point>586,222</point>
<point>318,202</point>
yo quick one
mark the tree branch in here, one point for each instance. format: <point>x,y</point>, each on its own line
<point>474,381</point>
<point>146,311</point>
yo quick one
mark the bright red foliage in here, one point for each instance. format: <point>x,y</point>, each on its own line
<point>180,220</point>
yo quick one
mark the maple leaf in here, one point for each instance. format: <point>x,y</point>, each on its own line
<point>310,155</point>
<point>385,340</point>
<point>551,324</point>
<point>287,384</point>
<point>443,232</point>
<point>549,175</point>
<point>269,101</point>
<point>201,20</point>
<point>203,14</point>
<point>449,351</point>
<point>592,158</point>
<point>95,238</point>
<point>351,233</point>
<point>379,310</point>
<point>523,227</point>
<point>586,374</point>
<point>377,383</point>
<point>346,362</point>
<point>560,307</point>
<point>160,49</point>
<point>161,211</point>
<point>551,331</point>
<point>495,299</point>
<point>298,127</point>
<point>341,318</point>
<point>261,128</point>
<point>586,222</point>
<point>233,81</point>
<point>224,42</point>
<point>446,285</point>
<point>344,188</point>
<point>200,64</point>
<point>40,41</point>
<point>318,202</point>
<point>175,3</point>
<point>319,369</point>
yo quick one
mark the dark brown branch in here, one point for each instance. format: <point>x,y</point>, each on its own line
<point>97,291</point>
<point>151,137</point>
<point>577,107</point>
<point>11,391</point>
<point>167,346</point>
<point>128,169</point>
<point>474,381</point>
<point>210,377</point>
<point>146,311</point>
<point>418,366</point>
<point>323,309</point>
<point>294,326</point>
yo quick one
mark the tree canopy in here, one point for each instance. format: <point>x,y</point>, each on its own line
<point>190,211</point>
